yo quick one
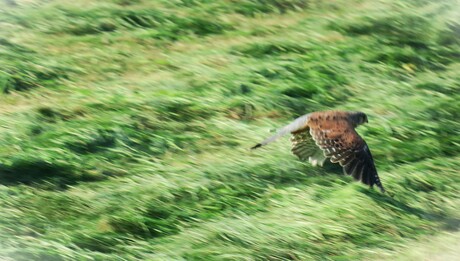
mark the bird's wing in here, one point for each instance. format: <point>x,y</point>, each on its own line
<point>342,144</point>
<point>304,147</point>
<point>297,125</point>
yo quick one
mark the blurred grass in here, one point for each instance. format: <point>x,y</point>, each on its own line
<point>125,125</point>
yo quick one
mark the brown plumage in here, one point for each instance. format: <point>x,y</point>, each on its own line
<point>331,134</point>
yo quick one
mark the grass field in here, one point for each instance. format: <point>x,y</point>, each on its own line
<point>125,128</point>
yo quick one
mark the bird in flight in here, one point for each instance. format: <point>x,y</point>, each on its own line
<point>322,135</point>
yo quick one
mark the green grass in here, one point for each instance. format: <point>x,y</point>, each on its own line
<point>125,128</point>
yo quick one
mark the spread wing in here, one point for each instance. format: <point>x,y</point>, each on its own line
<point>298,124</point>
<point>342,144</point>
<point>304,147</point>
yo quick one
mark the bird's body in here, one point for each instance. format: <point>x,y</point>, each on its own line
<point>318,136</point>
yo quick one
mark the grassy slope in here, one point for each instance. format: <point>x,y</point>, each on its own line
<point>442,246</point>
<point>125,127</point>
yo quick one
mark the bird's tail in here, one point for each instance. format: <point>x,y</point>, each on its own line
<point>294,126</point>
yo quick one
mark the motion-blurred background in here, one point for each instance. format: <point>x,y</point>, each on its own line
<point>125,128</point>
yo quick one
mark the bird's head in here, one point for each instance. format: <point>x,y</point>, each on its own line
<point>358,118</point>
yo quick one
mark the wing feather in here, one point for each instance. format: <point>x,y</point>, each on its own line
<point>304,147</point>
<point>297,125</point>
<point>342,144</point>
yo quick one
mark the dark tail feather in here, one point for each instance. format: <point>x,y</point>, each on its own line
<point>257,146</point>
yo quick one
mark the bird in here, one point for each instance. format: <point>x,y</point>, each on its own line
<point>322,135</point>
